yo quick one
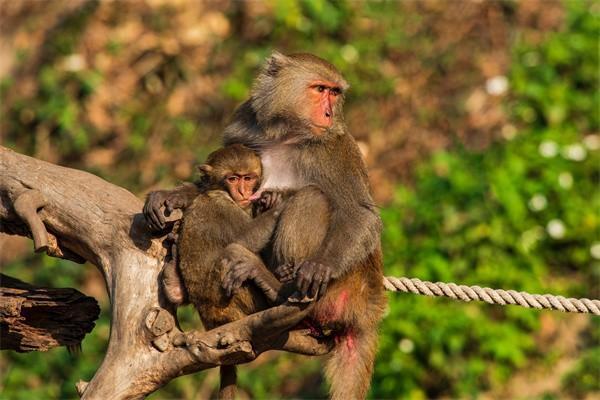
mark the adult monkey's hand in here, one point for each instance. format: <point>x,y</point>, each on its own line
<point>153,213</point>
<point>178,198</point>
<point>312,278</point>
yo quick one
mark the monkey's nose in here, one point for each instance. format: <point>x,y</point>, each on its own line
<point>328,114</point>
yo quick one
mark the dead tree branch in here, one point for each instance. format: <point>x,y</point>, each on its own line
<point>37,318</point>
<point>75,215</point>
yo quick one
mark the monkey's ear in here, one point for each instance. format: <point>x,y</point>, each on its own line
<point>205,169</point>
<point>276,62</point>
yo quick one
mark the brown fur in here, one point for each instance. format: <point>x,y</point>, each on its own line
<point>333,223</point>
<point>210,224</point>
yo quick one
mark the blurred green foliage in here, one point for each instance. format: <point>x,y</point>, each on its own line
<point>523,214</point>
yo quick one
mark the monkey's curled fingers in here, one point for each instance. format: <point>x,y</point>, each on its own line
<point>236,275</point>
<point>176,200</point>
<point>269,199</point>
<point>286,272</point>
<point>152,210</point>
<point>312,278</point>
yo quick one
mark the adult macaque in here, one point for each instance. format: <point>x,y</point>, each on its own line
<point>328,234</point>
<point>294,120</point>
<point>218,216</point>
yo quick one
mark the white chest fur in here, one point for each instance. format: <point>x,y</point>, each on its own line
<point>278,169</point>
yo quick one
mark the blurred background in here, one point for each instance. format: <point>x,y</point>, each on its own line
<point>478,121</point>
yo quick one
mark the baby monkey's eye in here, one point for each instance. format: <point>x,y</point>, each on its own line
<point>248,178</point>
<point>232,179</point>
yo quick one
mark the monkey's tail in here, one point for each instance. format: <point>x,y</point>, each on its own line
<point>350,365</point>
<point>228,382</point>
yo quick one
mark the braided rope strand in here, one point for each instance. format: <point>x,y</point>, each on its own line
<point>491,296</point>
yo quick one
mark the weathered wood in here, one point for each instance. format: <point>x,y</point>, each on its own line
<point>87,218</point>
<point>39,318</point>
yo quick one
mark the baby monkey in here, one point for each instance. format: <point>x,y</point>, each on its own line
<point>219,222</point>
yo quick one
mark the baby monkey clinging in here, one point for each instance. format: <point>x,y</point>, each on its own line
<point>220,215</point>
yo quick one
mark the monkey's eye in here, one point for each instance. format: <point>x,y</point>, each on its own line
<point>320,88</point>
<point>232,179</point>
<point>248,178</point>
<point>335,91</point>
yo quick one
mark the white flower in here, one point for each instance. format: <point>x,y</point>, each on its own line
<point>496,86</point>
<point>556,229</point>
<point>574,152</point>
<point>349,53</point>
<point>565,180</point>
<point>595,250</point>
<point>406,345</point>
<point>592,142</point>
<point>538,202</point>
<point>548,148</point>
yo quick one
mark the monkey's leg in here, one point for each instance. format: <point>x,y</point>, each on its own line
<point>228,382</point>
<point>171,280</point>
<point>301,230</point>
<point>172,284</point>
<point>241,265</point>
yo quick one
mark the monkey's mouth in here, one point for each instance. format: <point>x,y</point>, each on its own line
<point>320,126</point>
<point>255,196</point>
<point>319,129</point>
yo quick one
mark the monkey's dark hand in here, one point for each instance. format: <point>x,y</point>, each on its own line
<point>312,278</point>
<point>237,274</point>
<point>171,200</point>
<point>286,272</point>
<point>152,210</point>
<point>269,199</point>
<point>239,265</point>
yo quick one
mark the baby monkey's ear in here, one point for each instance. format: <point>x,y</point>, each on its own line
<point>205,169</point>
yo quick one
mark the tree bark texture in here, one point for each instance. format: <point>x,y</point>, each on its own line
<point>78,216</point>
<point>37,318</point>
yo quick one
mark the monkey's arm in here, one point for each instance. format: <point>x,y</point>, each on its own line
<point>353,234</point>
<point>180,197</point>
<point>260,229</point>
<point>243,265</point>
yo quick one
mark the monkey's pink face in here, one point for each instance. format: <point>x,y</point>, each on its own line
<point>322,96</point>
<point>241,187</point>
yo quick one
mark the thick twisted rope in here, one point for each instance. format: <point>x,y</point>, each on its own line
<point>491,296</point>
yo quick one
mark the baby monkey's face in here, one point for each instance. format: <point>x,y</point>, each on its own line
<point>236,169</point>
<point>241,185</point>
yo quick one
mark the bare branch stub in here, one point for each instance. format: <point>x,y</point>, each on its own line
<point>243,340</point>
<point>37,318</point>
<point>26,206</point>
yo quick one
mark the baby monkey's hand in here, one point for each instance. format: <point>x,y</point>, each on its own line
<point>269,199</point>
<point>286,272</point>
